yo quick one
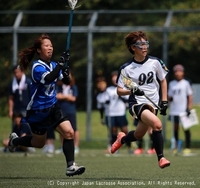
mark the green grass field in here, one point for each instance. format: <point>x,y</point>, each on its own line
<point>122,170</point>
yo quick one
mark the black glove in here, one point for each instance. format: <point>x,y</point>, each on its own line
<point>137,92</point>
<point>65,73</point>
<point>188,112</point>
<point>107,102</point>
<point>163,106</point>
<point>64,58</point>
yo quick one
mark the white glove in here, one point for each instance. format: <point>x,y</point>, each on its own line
<point>133,86</point>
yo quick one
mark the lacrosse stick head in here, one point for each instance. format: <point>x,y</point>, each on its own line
<point>128,82</point>
<point>72,3</point>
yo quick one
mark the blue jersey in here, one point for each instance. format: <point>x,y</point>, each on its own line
<point>43,93</point>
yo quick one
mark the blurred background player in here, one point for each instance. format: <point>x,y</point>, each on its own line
<point>49,147</point>
<point>19,93</point>
<point>21,129</point>
<point>102,106</point>
<point>67,97</point>
<point>180,96</point>
<point>115,107</point>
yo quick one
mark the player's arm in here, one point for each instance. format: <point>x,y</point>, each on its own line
<point>164,101</point>
<point>163,85</point>
<point>63,97</point>
<point>61,65</point>
<point>51,76</point>
<point>10,106</point>
<point>121,91</point>
<point>190,99</point>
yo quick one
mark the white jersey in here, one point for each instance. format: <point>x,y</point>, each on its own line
<point>113,104</point>
<point>179,91</point>
<point>146,76</point>
<point>101,102</point>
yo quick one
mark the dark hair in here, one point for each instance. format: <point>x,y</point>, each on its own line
<point>17,114</point>
<point>27,54</point>
<point>100,79</point>
<point>16,67</point>
<point>132,38</point>
<point>113,73</point>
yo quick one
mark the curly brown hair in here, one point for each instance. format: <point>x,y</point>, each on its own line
<point>132,38</point>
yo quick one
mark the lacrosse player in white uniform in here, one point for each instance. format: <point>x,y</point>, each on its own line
<point>180,97</point>
<point>143,72</point>
<point>115,110</point>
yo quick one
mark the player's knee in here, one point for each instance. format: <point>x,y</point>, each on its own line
<point>157,126</point>
<point>69,134</point>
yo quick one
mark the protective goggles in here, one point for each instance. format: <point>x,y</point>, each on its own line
<point>141,44</point>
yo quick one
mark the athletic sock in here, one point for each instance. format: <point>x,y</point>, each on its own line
<point>140,143</point>
<point>151,140</point>
<point>68,150</point>
<point>158,143</point>
<point>23,141</point>
<point>129,137</point>
<point>114,137</point>
<point>176,135</point>
<point>187,138</point>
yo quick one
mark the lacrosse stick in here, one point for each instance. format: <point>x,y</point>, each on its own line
<point>133,86</point>
<point>72,5</point>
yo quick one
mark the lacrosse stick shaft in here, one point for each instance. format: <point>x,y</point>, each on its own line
<point>69,30</point>
<point>152,102</point>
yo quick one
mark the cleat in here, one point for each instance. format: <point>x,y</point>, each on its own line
<point>117,144</point>
<point>174,152</point>
<point>138,151</point>
<point>151,151</point>
<point>163,163</point>
<point>58,151</point>
<point>75,170</point>
<point>11,146</point>
<point>186,151</point>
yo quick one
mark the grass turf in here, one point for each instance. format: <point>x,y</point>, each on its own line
<point>122,170</point>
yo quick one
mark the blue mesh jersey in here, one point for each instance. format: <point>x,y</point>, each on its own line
<point>43,93</point>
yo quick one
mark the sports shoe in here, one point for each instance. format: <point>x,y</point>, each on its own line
<point>138,151</point>
<point>117,144</point>
<point>11,146</point>
<point>58,151</point>
<point>75,170</point>
<point>151,151</point>
<point>174,152</point>
<point>186,151</point>
<point>163,163</point>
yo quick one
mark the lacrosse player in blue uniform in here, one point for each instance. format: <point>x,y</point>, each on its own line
<point>143,73</point>
<point>43,110</point>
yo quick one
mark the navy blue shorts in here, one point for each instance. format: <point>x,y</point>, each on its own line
<point>174,119</point>
<point>116,121</point>
<point>41,120</point>
<point>72,119</point>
